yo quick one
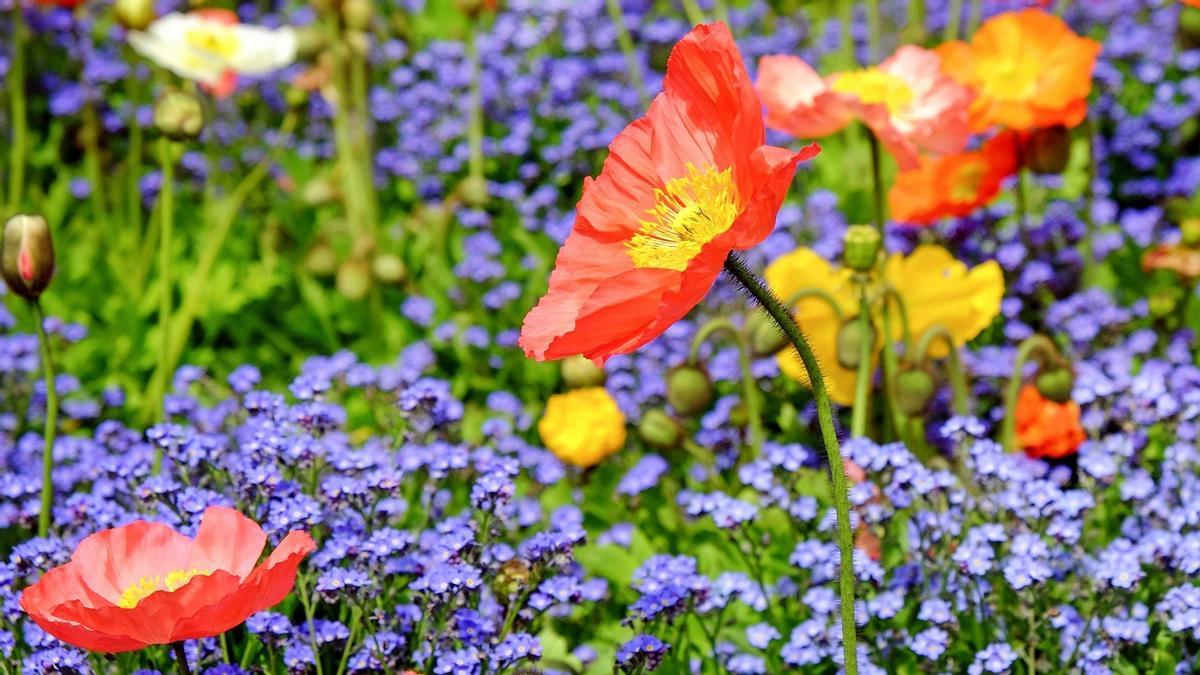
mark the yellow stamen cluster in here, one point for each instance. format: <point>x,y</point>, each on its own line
<point>147,586</point>
<point>874,86</point>
<point>217,41</point>
<point>688,213</point>
<point>583,426</point>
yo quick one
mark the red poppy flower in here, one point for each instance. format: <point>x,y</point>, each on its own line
<point>146,584</point>
<point>953,185</point>
<point>1046,429</point>
<point>66,4</point>
<point>681,188</point>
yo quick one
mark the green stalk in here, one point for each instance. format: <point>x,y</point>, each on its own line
<point>1033,344</point>
<point>95,172</point>
<point>915,30</point>
<point>181,658</point>
<point>953,16</point>
<point>39,319</point>
<point>133,159</point>
<point>841,495</point>
<point>819,294</point>
<point>845,21</point>
<point>876,181</point>
<point>862,380</point>
<point>18,150</point>
<point>750,393</point>
<point>475,120</point>
<point>958,380</point>
<point>625,40</point>
<point>874,28</point>
<point>975,16</point>
<point>166,231</point>
<point>693,12</point>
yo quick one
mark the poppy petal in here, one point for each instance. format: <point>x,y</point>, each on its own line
<point>227,541</point>
<point>113,560</point>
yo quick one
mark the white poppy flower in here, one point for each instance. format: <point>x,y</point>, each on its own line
<point>212,48</point>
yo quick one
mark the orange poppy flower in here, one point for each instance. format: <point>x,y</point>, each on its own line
<point>682,187</point>
<point>953,185</point>
<point>1193,3</point>
<point>1047,429</point>
<point>1028,69</point>
<point>1181,259</point>
<point>909,103</point>
<point>145,584</point>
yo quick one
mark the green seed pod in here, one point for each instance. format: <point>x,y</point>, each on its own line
<point>473,190</point>
<point>1162,303</point>
<point>659,430</point>
<point>357,14</point>
<point>1048,150</point>
<point>1189,27</point>
<point>27,255</point>
<point>861,244</point>
<point>388,268</point>
<point>689,391</point>
<point>134,14</point>
<point>580,373</point>
<point>178,115</point>
<point>1189,232</point>
<point>1055,383</point>
<point>354,279</point>
<point>914,390</point>
<point>849,343</point>
<point>765,336</point>
<point>321,260</point>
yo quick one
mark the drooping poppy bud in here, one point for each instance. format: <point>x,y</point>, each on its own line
<point>354,279</point>
<point>178,115</point>
<point>27,255</point>
<point>473,190</point>
<point>849,343</point>
<point>134,14</point>
<point>1055,383</point>
<point>659,430</point>
<point>765,336</point>
<point>1047,150</point>
<point>357,14</point>
<point>861,247</point>
<point>689,391</point>
<point>914,390</point>
<point>388,268</point>
<point>580,372</point>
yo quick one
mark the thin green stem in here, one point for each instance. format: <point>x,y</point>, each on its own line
<point>693,12</point>
<point>953,16</point>
<point>181,658</point>
<point>820,294</point>
<point>165,258</point>
<point>845,23</point>
<point>862,380</point>
<point>1034,344</point>
<point>751,396</point>
<point>891,295</point>
<point>876,181</point>
<point>961,402</point>
<point>975,16</point>
<point>625,40</point>
<point>92,160</point>
<point>475,121</point>
<point>874,28</point>
<point>841,496</point>
<point>19,147</point>
<point>914,32</point>
<point>44,515</point>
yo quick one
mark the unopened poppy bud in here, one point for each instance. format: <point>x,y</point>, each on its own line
<point>1162,303</point>
<point>579,372</point>
<point>354,279</point>
<point>357,14</point>
<point>321,260</point>
<point>849,343</point>
<point>659,430</point>
<point>861,246</point>
<point>914,390</point>
<point>738,415</point>
<point>388,268</point>
<point>27,255</point>
<point>178,115</point>
<point>134,14</point>
<point>1048,150</point>
<point>765,336</point>
<point>1189,232</point>
<point>1189,27</point>
<point>1055,383</point>
<point>512,578</point>
<point>473,190</point>
<point>689,391</point>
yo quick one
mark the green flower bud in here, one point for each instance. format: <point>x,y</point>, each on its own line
<point>861,244</point>
<point>512,578</point>
<point>849,343</point>
<point>354,279</point>
<point>357,14</point>
<point>134,14</point>
<point>296,97</point>
<point>659,430</point>
<point>1162,303</point>
<point>178,115</point>
<point>388,268</point>
<point>765,336</point>
<point>914,390</point>
<point>1048,150</point>
<point>689,391</point>
<point>1189,231</point>
<point>738,415</point>
<point>1189,27</point>
<point>321,260</point>
<point>473,190</point>
<point>1055,383</point>
<point>579,372</point>
<point>27,255</point>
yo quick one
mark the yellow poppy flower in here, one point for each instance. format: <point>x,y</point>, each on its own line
<point>936,289</point>
<point>583,426</point>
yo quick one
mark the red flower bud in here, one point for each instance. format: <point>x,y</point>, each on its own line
<point>27,255</point>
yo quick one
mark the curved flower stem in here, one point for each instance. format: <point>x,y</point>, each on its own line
<point>958,380</point>
<point>862,380</point>
<point>841,497</point>
<point>819,294</point>
<point>750,392</point>
<point>1034,344</point>
<point>39,320</point>
<point>891,295</point>
<point>18,149</point>
<point>181,658</point>
<point>625,40</point>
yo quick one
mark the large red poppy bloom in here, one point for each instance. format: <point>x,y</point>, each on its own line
<point>146,584</point>
<point>681,188</point>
